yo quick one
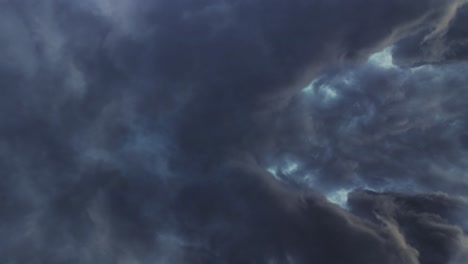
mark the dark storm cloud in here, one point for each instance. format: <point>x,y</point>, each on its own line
<point>434,224</point>
<point>139,131</point>
<point>380,127</point>
<point>283,46</point>
<point>244,218</point>
<point>449,45</point>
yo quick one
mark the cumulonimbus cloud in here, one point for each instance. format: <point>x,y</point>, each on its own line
<point>180,131</point>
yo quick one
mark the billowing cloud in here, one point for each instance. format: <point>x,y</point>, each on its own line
<point>434,223</point>
<point>448,44</point>
<point>381,127</point>
<point>233,131</point>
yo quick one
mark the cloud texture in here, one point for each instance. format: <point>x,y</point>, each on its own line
<point>235,131</point>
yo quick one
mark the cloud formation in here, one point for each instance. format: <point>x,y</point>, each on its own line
<point>447,44</point>
<point>434,223</point>
<point>216,131</point>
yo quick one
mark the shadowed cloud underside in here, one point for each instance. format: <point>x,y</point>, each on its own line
<point>236,131</point>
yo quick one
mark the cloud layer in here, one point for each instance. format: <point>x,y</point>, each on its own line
<point>219,131</point>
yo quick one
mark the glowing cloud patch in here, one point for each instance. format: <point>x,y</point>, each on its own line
<point>383,59</point>
<point>339,197</point>
<point>289,167</point>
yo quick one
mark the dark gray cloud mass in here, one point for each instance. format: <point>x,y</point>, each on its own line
<point>433,223</point>
<point>449,45</point>
<point>183,131</point>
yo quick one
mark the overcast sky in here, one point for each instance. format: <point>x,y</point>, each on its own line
<point>234,131</point>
